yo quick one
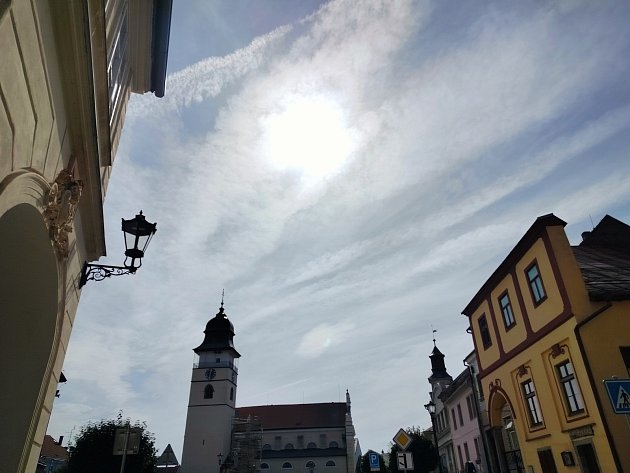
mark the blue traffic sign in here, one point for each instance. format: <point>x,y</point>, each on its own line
<point>619,394</point>
<point>374,462</point>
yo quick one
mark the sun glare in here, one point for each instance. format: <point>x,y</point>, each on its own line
<point>308,135</point>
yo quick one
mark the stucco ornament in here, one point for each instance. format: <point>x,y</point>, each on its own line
<point>61,206</point>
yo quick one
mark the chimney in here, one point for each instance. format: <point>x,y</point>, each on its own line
<point>60,440</point>
<point>585,235</point>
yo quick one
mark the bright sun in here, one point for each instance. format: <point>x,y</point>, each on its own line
<point>308,134</point>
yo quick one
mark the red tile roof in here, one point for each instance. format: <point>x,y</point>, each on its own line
<point>297,416</point>
<point>51,449</point>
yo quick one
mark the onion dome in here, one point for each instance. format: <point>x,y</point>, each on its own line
<point>219,333</point>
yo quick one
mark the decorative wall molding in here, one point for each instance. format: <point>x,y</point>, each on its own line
<point>61,206</point>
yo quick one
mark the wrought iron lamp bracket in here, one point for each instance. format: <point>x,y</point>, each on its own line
<point>98,272</point>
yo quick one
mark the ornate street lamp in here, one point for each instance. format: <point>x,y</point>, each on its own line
<point>138,233</point>
<point>431,408</point>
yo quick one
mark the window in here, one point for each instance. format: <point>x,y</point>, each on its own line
<point>333,444</point>
<point>300,442</point>
<point>466,452</point>
<point>117,67</point>
<point>266,447</point>
<point>570,388</point>
<point>311,445</point>
<point>476,447</point>
<point>331,463</point>
<point>288,446</point>
<point>484,332</point>
<point>264,466</point>
<point>208,392</point>
<point>459,414</point>
<point>470,407</point>
<point>287,466</point>
<point>533,408</point>
<point>231,394</point>
<point>459,454</point>
<point>506,310</point>
<point>454,419</point>
<point>310,464</point>
<point>535,284</point>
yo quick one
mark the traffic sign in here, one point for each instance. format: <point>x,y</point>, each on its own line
<point>402,439</point>
<point>375,464</point>
<point>619,394</point>
<point>405,460</point>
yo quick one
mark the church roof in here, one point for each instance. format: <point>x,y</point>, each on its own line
<point>218,334</point>
<point>297,416</point>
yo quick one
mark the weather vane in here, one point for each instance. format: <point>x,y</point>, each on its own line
<point>434,331</point>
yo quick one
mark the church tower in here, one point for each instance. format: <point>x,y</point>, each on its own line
<point>207,438</point>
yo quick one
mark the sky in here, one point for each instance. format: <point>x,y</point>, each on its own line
<point>350,173</point>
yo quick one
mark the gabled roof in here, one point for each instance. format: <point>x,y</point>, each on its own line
<point>604,259</point>
<point>461,379</point>
<point>523,245</point>
<point>297,416</point>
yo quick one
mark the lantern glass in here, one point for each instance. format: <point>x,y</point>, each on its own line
<point>430,407</point>
<point>138,233</point>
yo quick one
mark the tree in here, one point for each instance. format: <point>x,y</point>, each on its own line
<point>425,457</point>
<point>93,449</point>
<point>365,462</point>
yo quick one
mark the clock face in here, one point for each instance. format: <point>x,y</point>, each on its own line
<point>211,373</point>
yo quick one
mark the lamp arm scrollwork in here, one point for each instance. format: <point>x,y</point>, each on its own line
<point>98,272</point>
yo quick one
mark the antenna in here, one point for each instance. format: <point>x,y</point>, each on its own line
<point>592,225</point>
<point>222,296</point>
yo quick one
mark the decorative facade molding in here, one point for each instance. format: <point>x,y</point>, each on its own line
<point>61,206</point>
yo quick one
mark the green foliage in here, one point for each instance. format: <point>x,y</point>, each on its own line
<point>425,457</point>
<point>365,463</point>
<point>93,449</point>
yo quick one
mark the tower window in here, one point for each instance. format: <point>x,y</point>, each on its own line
<point>231,394</point>
<point>331,463</point>
<point>287,466</point>
<point>264,466</point>
<point>208,392</point>
<point>266,447</point>
<point>311,445</point>
<point>310,464</point>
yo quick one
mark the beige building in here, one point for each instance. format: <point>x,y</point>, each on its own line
<point>548,327</point>
<point>66,71</point>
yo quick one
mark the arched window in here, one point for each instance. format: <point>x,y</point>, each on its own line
<point>310,464</point>
<point>208,392</point>
<point>287,466</point>
<point>330,463</point>
<point>266,447</point>
<point>264,466</point>
<point>288,446</point>
<point>311,445</point>
<point>231,394</point>
<point>333,444</point>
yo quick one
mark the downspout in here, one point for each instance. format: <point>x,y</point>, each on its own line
<point>578,337</point>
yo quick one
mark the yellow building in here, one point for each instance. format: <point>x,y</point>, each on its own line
<point>67,68</point>
<point>538,323</point>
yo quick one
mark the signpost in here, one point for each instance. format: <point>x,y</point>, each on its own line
<point>404,459</point>
<point>127,442</point>
<point>619,394</point>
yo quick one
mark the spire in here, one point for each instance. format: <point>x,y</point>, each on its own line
<point>438,368</point>
<point>219,333</point>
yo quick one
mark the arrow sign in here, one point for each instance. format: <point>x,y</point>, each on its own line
<point>619,394</point>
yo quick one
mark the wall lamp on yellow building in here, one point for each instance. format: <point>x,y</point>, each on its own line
<point>138,233</point>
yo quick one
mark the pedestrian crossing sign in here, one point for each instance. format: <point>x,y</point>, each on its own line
<point>619,394</point>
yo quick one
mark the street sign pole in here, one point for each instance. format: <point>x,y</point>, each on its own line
<point>124,455</point>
